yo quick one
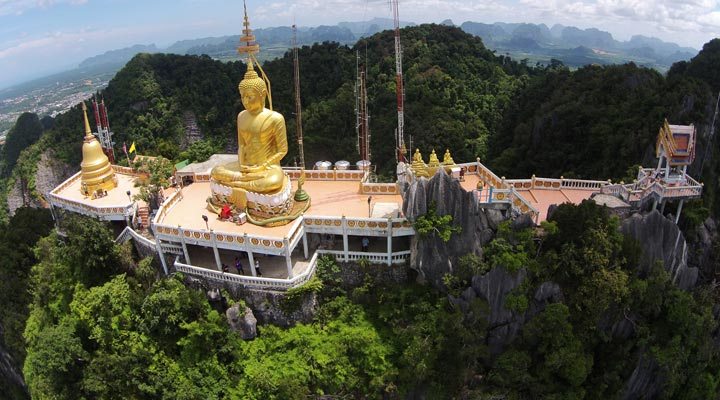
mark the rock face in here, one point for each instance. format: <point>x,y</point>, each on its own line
<point>661,241</point>
<point>11,380</point>
<point>242,322</point>
<point>268,307</point>
<point>50,173</point>
<point>494,288</point>
<point>503,324</point>
<point>646,381</point>
<point>432,257</point>
<point>702,241</point>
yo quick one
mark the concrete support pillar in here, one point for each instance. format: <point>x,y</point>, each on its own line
<point>215,250</point>
<point>251,259</point>
<point>158,247</point>
<point>654,204</point>
<point>662,206</point>
<point>346,249</point>
<point>184,246</point>
<point>389,242</point>
<point>679,210</point>
<point>306,251</point>
<point>288,258</point>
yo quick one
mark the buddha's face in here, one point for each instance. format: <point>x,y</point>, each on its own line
<point>253,100</point>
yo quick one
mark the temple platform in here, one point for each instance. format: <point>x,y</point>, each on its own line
<point>115,206</point>
<point>333,199</point>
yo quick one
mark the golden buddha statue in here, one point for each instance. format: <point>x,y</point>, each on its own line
<point>96,173</point>
<point>262,143</point>
<point>418,165</point>
<point>447,158</point>
<point>433,163</point>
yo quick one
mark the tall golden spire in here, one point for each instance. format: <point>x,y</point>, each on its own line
<point>88,132</point>
<point>250,47</point>
<point>96,171</point>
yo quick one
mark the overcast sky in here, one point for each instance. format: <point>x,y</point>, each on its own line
<point>38,37</point>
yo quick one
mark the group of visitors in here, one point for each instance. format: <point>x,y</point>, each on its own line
<point>239,267</point>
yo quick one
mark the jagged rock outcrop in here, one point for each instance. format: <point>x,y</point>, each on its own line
<point>12,383</point>
<point>661,241</point>
<point>49,174</point>
<point>268,307</point>
<point>703,240</point>
<point>243,322</point>
<point>493,288</point>
<point>646,381</point>
<point>430,256</point>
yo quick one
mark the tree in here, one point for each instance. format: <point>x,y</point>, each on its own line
<point>433,224</point>
<point>26,131</point>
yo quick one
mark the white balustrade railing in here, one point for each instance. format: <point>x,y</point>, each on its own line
<point>251,281</point>
<point>374,258</point>
<point>167,205</point>
<point>555,183</point>
<point>128,233</point>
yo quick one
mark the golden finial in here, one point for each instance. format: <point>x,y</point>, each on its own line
<point>248,38</point>
<point>250,48</point>
<point>88,132</point>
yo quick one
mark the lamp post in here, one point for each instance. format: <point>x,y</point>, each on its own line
<point>205,218</point>
<point>128,195</point>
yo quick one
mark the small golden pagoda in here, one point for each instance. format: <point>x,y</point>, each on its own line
<point>96,172</point>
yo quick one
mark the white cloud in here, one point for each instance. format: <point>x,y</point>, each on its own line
<point>9,7</point>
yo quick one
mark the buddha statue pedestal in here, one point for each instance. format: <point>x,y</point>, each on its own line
<point>258,205</point>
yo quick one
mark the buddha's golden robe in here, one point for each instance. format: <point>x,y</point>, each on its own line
<point>262,143</point>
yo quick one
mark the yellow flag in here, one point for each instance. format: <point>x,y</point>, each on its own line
<point>132,147</point>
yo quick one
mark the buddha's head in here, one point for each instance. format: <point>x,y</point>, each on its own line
<point>252,90</point>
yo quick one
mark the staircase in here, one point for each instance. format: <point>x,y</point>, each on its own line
<point>144,215</point>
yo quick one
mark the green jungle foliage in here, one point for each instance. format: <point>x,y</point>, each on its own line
<point>103,326</point>
<point>27,130</point>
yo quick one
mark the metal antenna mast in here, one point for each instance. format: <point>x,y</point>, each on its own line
<point>400,150</point>
<point>298,107</point>
<point>300,194</point>
<point>363,126</point>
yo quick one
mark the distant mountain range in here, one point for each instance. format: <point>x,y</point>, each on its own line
<point>535,43</point>
<point>556,41</point>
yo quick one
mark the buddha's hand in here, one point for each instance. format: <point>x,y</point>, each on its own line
<point>252,169</point>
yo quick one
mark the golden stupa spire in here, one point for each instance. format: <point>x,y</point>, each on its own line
<point>88,132</point>
<point>97,175</point>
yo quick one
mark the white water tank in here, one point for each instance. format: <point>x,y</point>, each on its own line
<point>363,165</point>
<point>323,165</point>
<point>342,165</point>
